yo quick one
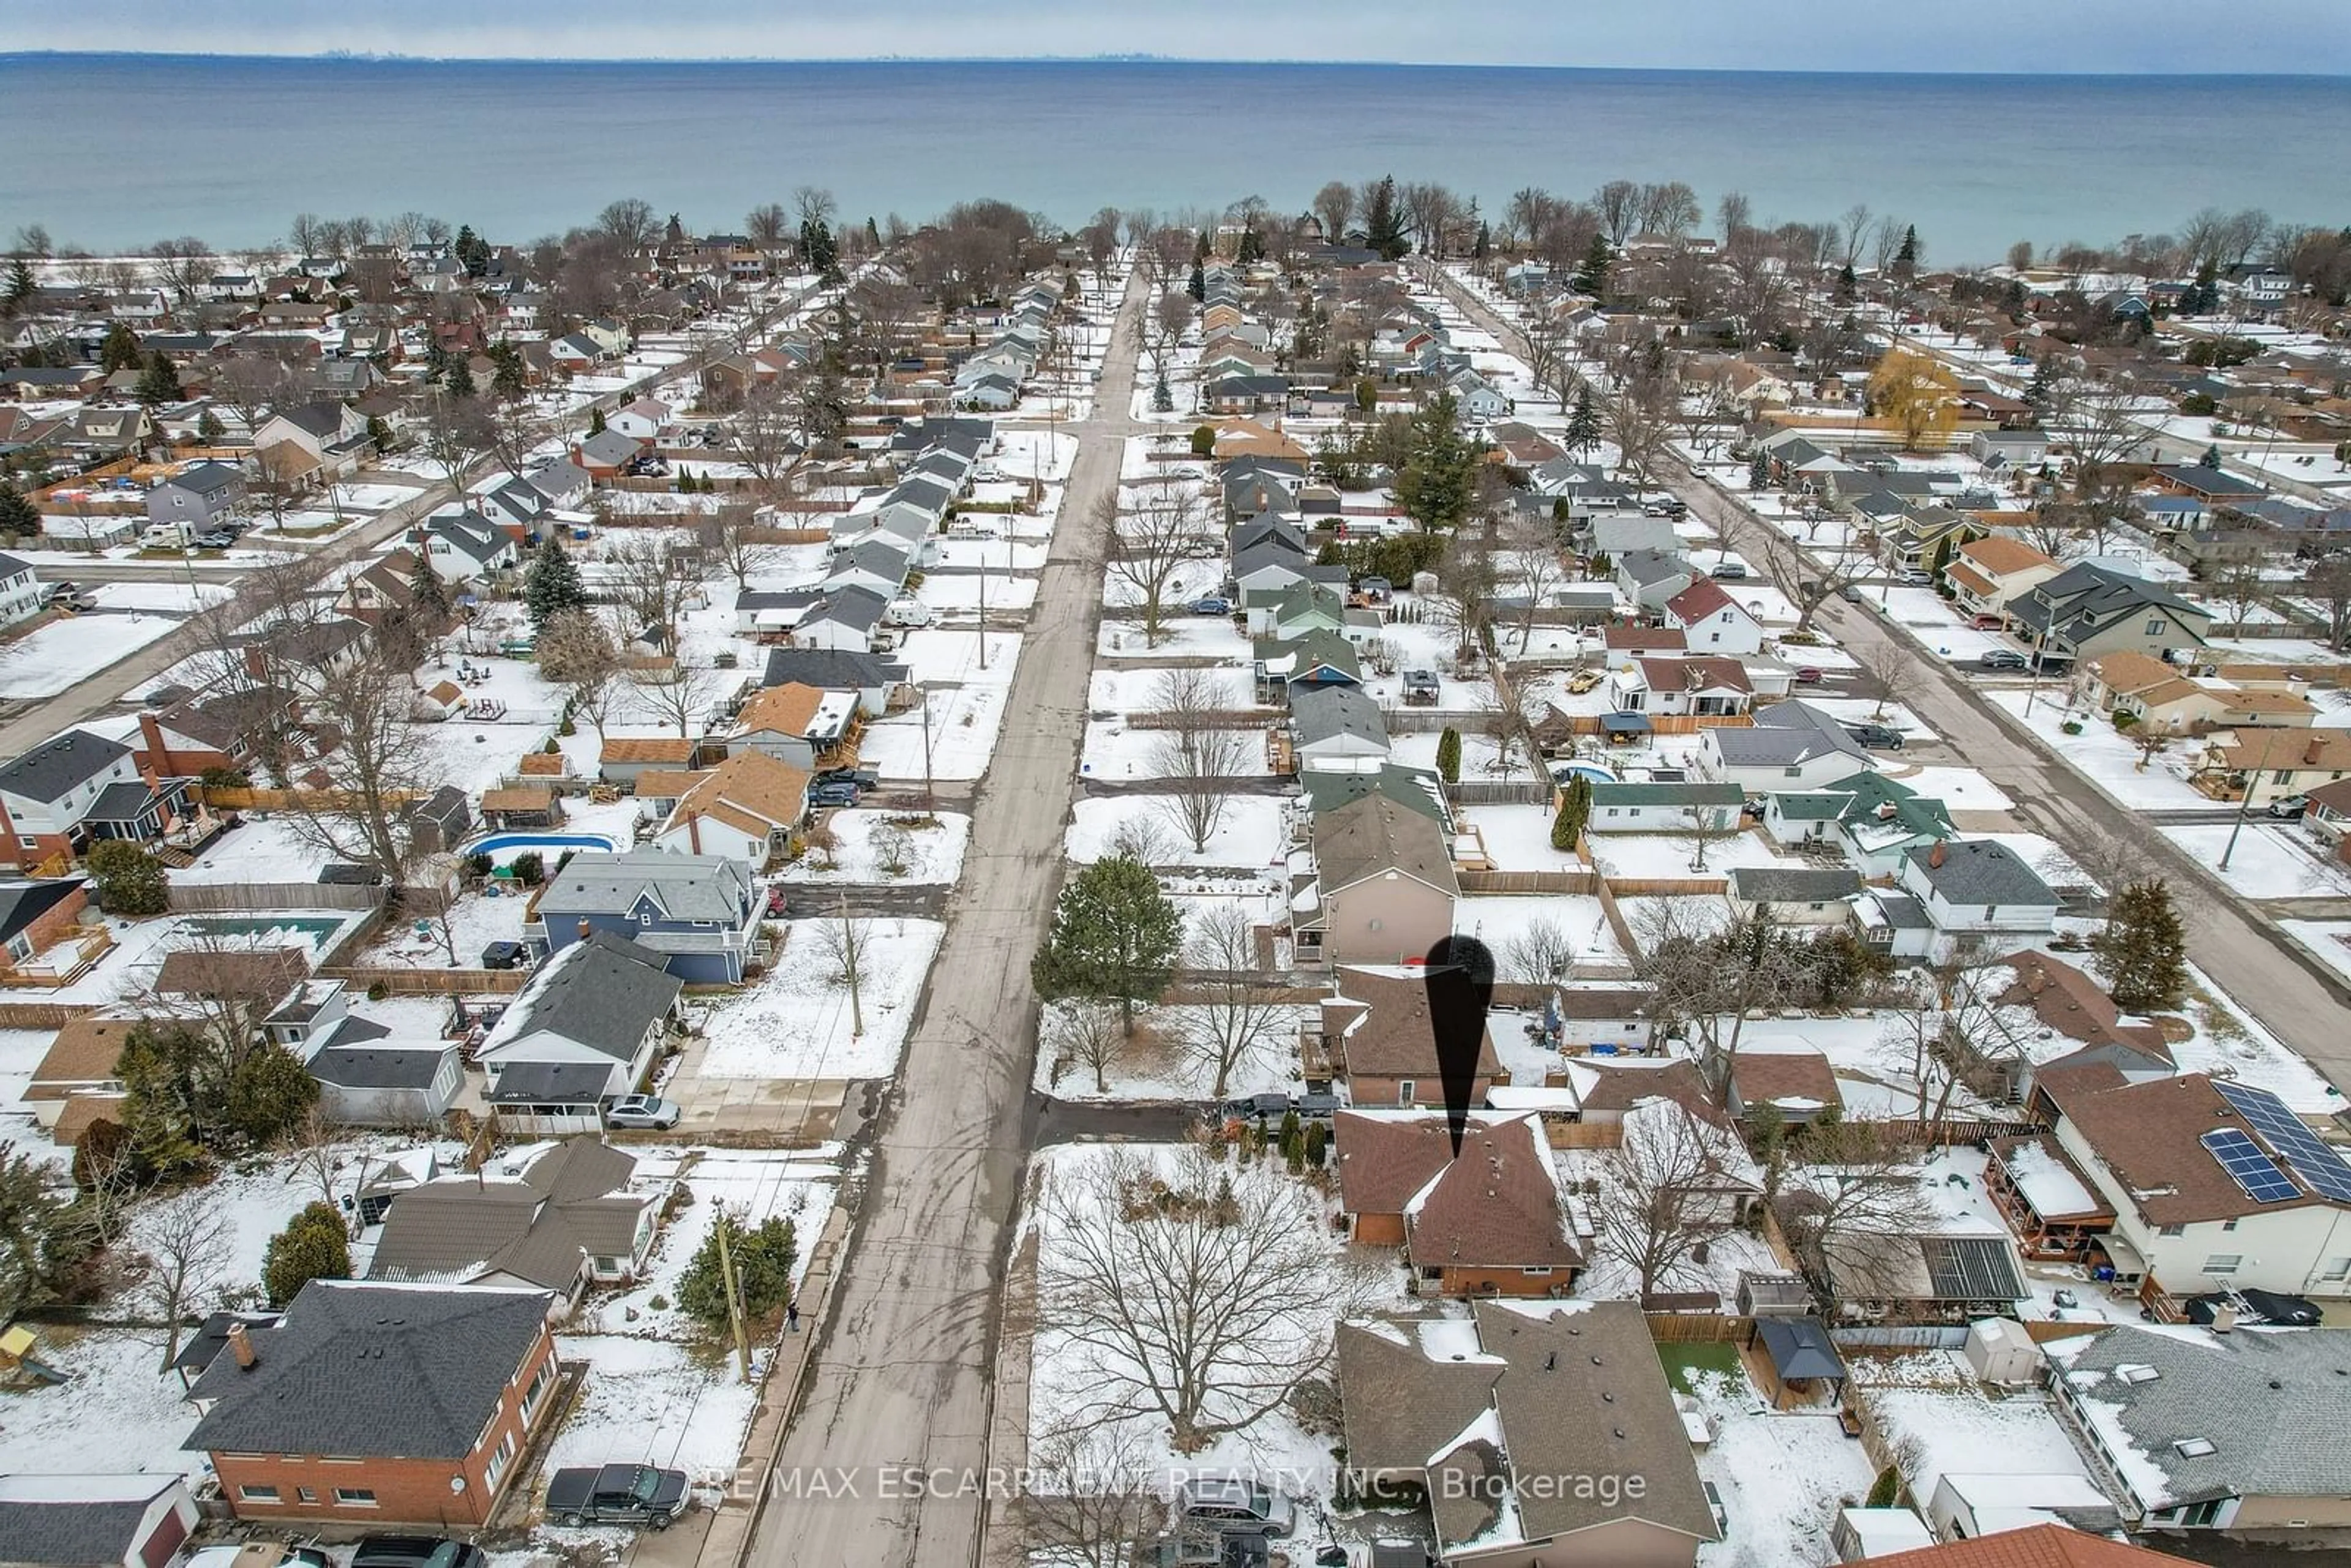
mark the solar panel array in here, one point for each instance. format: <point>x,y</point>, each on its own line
<point>2254,1171</point>
<point>2326,1172</point>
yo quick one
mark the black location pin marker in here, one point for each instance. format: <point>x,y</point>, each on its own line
<point>1459,976</point>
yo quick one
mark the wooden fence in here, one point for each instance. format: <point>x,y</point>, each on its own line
<point>42,1015</point>
<point>1496,793</point>
<point>1528,881</point>
<point>1698,1328</point>
<point>252,800</point>
<point>1665,886</point>
<point>432,982</point>
<point>245,898</point>
<point>1584,1135</point>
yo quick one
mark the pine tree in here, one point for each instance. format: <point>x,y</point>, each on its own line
<point>1574,812</point>
<point>460,380</point>
<point>1383,224</point>
<point>208,429</point>
<point>1759,471</point>
<point>1199,287</point>
<point>1905,261</point>
<point>1484,244</point>
<point>1438,480</point>
<point>426,590</point>
<point>1115,938</point>
<point>595,421</point>
<point>511,381</point>
<point>1583,423</point>
<point>1848,286</point>
<point>17,516</point>
<point>872,235</point>
<point>1449,755</point>
<point>159,383</point>
<point>2043,382</point>
<point>119,350</point>
<point>1592,276</point>
<point>552,585</point>
<point>1251,248</point>
<point>2212,459</point>
<point>20,287</point>
<point>2144,948</point>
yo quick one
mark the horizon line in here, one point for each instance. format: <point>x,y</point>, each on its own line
<point>362,56</point>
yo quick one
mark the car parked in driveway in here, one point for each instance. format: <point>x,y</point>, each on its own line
<point>1808,676</point>
<point>2004,659</point>
<point>1236,1505</point>
<point>864,777</point>
<point>2291,809</point>
<point>1876,736</point>
<point>417,1551</point>
<point>642,1112</point>
<point>617,1494</point>
<point>839,792</point>
<point>1212,605</point>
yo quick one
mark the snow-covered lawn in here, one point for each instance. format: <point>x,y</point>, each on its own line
<point>1180,636</point>
<point>656,1402</point>
<point>1782,1475</point>
<point>754,1185</point>
<point>1482,759</point>
<point>1115,752</point>
<point>2329,940</point>
<point>964,724</point>
<point>974,590</point>
<point>934,656</point>
<point>2228,1043</point>
<point>1938,1421</point>
<point>1253,830</point>
<point>184,597</point>
<point>73,648</point>
<point>1158,1064</point>
<point>1668,856</point>
<point>932,850</point>
<point>1142,689</point>
<point>1958,788</point>
<point>797,1023</point>
<point>1504,921</point>
<point>2269,861</point>
<point>119,1412</point>
<point>2104,756</point>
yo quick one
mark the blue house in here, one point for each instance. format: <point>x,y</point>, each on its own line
<point>699,912</point>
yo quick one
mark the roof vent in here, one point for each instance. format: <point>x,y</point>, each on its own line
<point>2135,1373</point>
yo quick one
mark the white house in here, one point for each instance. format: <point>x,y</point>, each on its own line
<point>1711,622</point>
<point>1980,889</point>
<point>588,1027</point>
<point>463,547</point>
<point>641,420</point>
<point>20,595</point>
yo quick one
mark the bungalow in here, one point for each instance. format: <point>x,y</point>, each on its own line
<point>1790,746</point>
<point>844,620</point>
<point>1984,574</point>
<point>1711,622</point>
<point>570,1220</point>
<point>1488,1223</point>
<point>1643,807</point>
<point>876,565</point>
<point>1497,1420</point>
<point>605,455</point>
<point>1703,687</point>
<point>801,725</point>
<point>366,1077</point>
<point>588,1027</point>
<point>876,681</point>
<point>700,912</point>
<point>1792,896</point>
<point>2088,609</point>
<point>370,1403</point>
<point>642,420</point>
<point>1374,1032</point>
<point>1979,891</point>
<point>1384,886</point>
<point>746,809</point>
<point>2263,766</point>
<point>1316,659</point>
<point>2212,485</point>
<point>1336,728</point>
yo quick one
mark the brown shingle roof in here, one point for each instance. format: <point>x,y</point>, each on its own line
<point>1393,1037</point>
<point>544,764</point>
<point>2000,555</point>
<point>647,749</point>
<point>263,974</point>
<point>1775,1077</point>
<point>85,1051</point>
<point>2148,1135</point>
<point>2036,1546</point>
<point>2069,1002</point>
<point>750,792</point>
<point>1620,1086</point>
<point>1365,838</point>
<point>518,797</point>
<point>786,709</point>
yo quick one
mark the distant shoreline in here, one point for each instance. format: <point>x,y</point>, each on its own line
<point>340,57</point>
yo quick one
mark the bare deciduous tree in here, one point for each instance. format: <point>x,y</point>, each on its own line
<point>1165,529</point>
<point>1088,1033</point>
<point>578,654</point>
<point>1666,1192</point>
<point>184,1244</point>
<point>1093,1493</point>
<point>1195,1293</point>
<point>1852,1210</point>
<point>1195,751</point>
<point>1540,952</point>
<point>1240,1020</point>
<point>678,691</point>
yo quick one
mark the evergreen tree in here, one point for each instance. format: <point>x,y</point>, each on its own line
<point>2212,459</point>
<point>1198,286</point>
<point>1905,261</point>
<point>763,1259</point>
<point>595,421</point>
<point>2144,948</point>
<point>128,879</point>
<point>159,383</point>
<point>2038,391</point>
<point>1162,397</point>
<point>268,1093</point>
<point>313,1245</point>
<point>119,350</point>
<point>460,379</point>
<point>1202,248</point>
<point>1115,938</point>
<point>471,250</point>
<point>552,585</point>
<point>208,429</point>
<point>1848,288</point>
<point>1449,755</point>
<point>872,235</point>
<point>817,253</point>
<point>1592,276</point>
<point>1583,423</point>
<point>427,594</point>
<point>512,380</point>
<point>20,286</point>
<point>18,516</point>
<point>1251,248</point>
<point>1383,222</point>
<point>1439,478</point>
<point>1574,812</point>
<point>1759,471</point>
<point>1483,247</point>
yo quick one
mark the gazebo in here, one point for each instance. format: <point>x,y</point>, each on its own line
<point>1804,1363</point>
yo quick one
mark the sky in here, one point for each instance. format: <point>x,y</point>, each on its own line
<point>2184,36</point>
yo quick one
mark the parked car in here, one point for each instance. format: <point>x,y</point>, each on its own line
<point>218,538</point>
<point>74,603</point>
<point>643,1111</point>
<point>1233,1504</point>
<point>839,792</point>
<point>864,777</point>
<point>1317,1107</point>
<point>1852,594</point>
<point>1728,571</point>
<point>1876,736</point>
<point>417,1551</point>
<point>2291,809</point>
<point>1212,605</point>
<point>1917,577</point>
<point>617,1494</point>
<point>2004,659</point>
<point>227,1554</point>
<point>1807,675</point>
<point>1264,1106</point>
<point>1988,622</point>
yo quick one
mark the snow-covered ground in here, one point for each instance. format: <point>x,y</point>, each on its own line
<point>1938,1421</point>
<point>1161,1062</point>
<point>1671,856</point>
<point>1114,750</point>
<point>796,1022</point>
<point>926,852</point>
<point>50,659</point>
<point>1252,831</point>
<point>964,724</point>
<point>2269,860</point>
<point>2104,756</point>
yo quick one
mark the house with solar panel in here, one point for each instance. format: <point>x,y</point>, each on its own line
<point>2213,1185</point>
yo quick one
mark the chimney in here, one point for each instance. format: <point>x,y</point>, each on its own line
<point>583,930</point>
<point>2224,1317</point>
<point>240,1345</point>
<point>2310,753</point>
<point>1937,855</point>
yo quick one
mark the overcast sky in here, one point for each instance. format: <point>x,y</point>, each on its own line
<point>2131,36</point>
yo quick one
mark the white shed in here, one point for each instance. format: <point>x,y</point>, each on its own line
<point>1998,1350</point>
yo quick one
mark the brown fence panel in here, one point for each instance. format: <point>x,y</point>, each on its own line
<point>433,982</point>
<point>1698,1328</point>
<point>1527,882</point>
<point>42,1015</point>
<point>246,897</point>
<point>1665,886</point>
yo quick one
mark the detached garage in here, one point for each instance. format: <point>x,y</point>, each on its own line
<point>94,1522</point>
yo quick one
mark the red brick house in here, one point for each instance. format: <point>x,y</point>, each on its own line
<point>1488,1223</point>
<point>368,1404</point>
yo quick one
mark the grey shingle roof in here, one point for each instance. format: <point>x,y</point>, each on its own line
<point>681,887</point>
<point>1792,885</point>
<point>1981,870</point>
<point>62,763</point>
<point>363,1064</point>
<point>1318,713</point>
<point>1784,733</point>
<point>73,1522</point>
<point>548,1083</point>
<point>2271,1403</point>
<point>367,1371</point>
<point>603,993</point>
<point>831,669</point>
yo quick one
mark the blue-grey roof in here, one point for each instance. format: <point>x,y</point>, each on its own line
<point>1784,733</point>
<point>62,763</point>
<point>76,1522</point>
<point>1329,712</point>
<point>1792,885</point>
<point>603,993</point>
<point>205,479</point>
<point>372,1371</point>
<point>1981,870</point>
<point>677,887</point>
<point>831,669</point>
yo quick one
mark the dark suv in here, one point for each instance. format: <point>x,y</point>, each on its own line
<point>417,1551</point>
<point>616,1494</point>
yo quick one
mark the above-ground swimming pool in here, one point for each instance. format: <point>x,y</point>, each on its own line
<point>505,846</point>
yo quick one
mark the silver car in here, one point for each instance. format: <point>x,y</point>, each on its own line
<point>641,1111</point>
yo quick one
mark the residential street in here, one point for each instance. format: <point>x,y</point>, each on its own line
<point>902,1376</point>
<point>2229,940</point>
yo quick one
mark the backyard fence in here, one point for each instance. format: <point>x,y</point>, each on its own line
<point>1528,881</point>
<point>246,897</point>
<point>432,982</point>
<point>1696,1328</point>
<point>42,1015</point>
<point>1498,792</point>
<point>1665,886</point>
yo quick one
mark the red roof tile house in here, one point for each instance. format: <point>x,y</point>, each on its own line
<point>368,1404</point>
<point>1488,1223</point>
<point>1712,622</point>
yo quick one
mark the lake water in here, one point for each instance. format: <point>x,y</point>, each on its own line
<point>114,151</point>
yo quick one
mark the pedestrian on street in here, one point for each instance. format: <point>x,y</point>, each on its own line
<point>791,1317</point>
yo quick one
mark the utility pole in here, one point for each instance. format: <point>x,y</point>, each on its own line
<point>848,967</point>
<point>2244,804</point>
<point>930,789</point>
<point>734,1295</point>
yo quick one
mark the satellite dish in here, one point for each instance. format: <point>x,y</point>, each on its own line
<point>457,1482</point>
